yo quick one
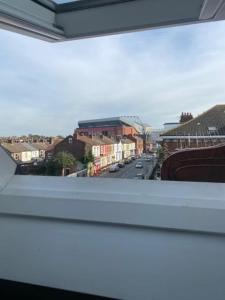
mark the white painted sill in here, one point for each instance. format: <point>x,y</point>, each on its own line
<point>114,238</point>
<point>158,204</point>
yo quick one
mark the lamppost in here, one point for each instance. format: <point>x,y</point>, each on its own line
<point>198,124</point>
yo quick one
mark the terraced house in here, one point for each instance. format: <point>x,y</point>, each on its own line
<point>105,150</point>
<point>22,152</point>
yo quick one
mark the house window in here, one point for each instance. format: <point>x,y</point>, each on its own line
<point>212,130</point>
<point>89,89</point>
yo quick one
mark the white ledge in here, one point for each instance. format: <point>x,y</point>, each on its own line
<point>124,239</point>
<point>168,205</point>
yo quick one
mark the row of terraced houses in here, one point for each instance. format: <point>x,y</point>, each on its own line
<point>105,151</point>
<point>107,140</point>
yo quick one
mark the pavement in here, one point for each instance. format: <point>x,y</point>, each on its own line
<point>130,171</point>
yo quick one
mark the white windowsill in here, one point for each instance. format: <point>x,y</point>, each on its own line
<point>90,234</point>
<point>158,204</point>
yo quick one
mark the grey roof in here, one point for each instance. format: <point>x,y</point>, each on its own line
<point>18,147</point>
<point>15,148</point>
<point>112,121</point>
<point>171,123</point>
<point>126,141</point>
<point>40,146</point>
<point>211,122</point>
<point>100,120</point>
<point>29,147</point>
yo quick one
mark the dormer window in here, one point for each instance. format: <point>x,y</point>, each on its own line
<point>70,140</point>
<point>212,130</point>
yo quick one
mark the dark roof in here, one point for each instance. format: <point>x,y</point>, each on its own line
<point>211,122</point>
<point>172,123</point>
<point>91,141</point>
<point>126,141</point>
<point>40,146</point>
<point>130,121</point>
<point>15,148</point>
<point>116,121</point>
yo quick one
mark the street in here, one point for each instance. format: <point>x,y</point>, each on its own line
<point>130,171</point>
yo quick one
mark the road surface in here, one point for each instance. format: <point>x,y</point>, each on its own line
<point>130,171</point>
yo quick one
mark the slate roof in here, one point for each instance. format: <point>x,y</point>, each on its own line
<point>209,123</point>
<point>15,148</point>
<point>40,146</point>
<point>126,141</point>
<point>91,141</point>
<point>111,122</point>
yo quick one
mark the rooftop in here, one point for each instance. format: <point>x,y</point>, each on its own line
<point>211,122</point>
<point>15,148</point>
<point>132,121</point>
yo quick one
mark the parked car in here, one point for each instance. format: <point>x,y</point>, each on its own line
<point>127,160</point>
<point>139,165</point>
<point>114,168</point>
<point>140,176</point>
<point>149,158</point>
<point>133,157</point>
<point>121,164</point>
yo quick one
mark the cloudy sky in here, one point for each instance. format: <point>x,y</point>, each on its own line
<point>46,88</point>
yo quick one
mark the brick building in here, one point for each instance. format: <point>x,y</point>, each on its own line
<point>139,144</point>
<point>104,150</point>
<point>115,128</point>
<point>111,127</point>
<point>78,148</point>
<point>205,130</point>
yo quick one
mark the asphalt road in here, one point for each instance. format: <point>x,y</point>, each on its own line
<point>130,171</point>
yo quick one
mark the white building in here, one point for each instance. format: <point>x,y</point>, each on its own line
<point>21,152</point>
<point>118,151</point>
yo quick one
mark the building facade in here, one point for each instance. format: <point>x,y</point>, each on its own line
<point>111,127</point>
<point>207,129</point>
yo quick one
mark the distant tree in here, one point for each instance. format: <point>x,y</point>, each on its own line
<point>53,168</point>
<point>64,160</point>
<point>23,136</point>
<point>160,154</point>
<point>89,157</point>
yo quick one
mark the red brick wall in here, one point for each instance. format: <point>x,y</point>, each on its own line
<point>76,148</point>
<point>172,145</point>
<point>111,131</point>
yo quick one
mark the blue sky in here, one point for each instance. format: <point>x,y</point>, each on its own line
<point>46,88</point>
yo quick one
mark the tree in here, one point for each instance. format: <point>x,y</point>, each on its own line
<point>57,165</point>
<point>53,168</point>
<point>64,160</point>
<point>160,154</point>
<point>88,157</point>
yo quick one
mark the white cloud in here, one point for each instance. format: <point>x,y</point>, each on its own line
<point>46,88</point>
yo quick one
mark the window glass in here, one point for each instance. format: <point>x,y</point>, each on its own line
<point>149,93</point>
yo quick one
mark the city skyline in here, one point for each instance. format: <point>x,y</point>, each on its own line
<point>47,88</point>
